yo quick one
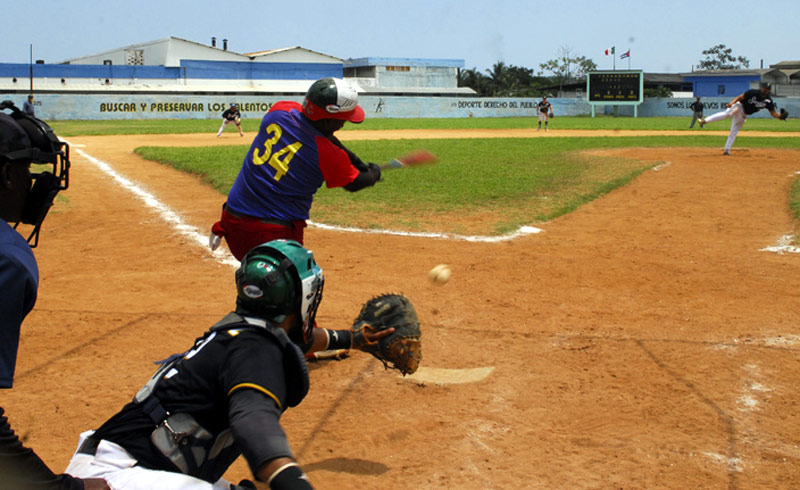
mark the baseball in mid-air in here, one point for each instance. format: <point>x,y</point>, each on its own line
<point>439,274</point>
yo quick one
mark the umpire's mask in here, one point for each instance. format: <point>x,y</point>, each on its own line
<point>26,139</point>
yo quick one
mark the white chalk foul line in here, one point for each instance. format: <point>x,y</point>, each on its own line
<point>164,211</point>
<point>522,231</point>
<point>784,246</point>
<point>224,257</point>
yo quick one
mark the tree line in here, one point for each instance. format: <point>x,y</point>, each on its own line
<point>566,68</point>
<point>504,80</point>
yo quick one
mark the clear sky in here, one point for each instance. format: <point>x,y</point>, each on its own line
<point>662,36</point>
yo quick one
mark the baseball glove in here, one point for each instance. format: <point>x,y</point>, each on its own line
<point>784,114</point>
<point>402,350</point>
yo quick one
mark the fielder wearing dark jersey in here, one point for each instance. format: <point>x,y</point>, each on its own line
<point>739,108</point>
<point>545,110</point>
<point>231,115</point>
<point>292,155</point>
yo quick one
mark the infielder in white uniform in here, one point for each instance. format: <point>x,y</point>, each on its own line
<point>739,108</point>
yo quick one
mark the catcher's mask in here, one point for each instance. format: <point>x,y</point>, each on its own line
<point>332,98</point>
<point>278,278</point>
<point>26,139</point>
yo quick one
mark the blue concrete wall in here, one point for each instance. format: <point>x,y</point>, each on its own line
<point>22,70</point>
<point>147,106</point>
<point>406,107</point>
<point>709,86</point>
<point>680,107</point>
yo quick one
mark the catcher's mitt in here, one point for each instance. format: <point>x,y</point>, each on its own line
<point>784,114</point>
<point>402,350</point>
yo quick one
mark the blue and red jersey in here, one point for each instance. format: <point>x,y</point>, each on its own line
<point>286,164</point>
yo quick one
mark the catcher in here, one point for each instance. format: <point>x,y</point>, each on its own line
<point>231,115</point>
<point>225,396</point>
<point>742,106</point>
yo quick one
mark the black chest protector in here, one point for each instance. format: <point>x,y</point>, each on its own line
<point>179,437</point>
<point>294,363</point>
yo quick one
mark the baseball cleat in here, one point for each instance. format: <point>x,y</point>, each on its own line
<point>702,123</point>
<point>726,153</point>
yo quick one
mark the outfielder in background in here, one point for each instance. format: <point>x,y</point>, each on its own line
<point>231,115</point>
<point>545,113</point>
<point>224,397</point>
<point>293,153</point>
<point>742,106</point>
<point>24,139</point>
<point>697,111</point>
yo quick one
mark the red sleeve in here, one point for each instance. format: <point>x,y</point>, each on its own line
<point>335,164</point>
<point>286,106</point>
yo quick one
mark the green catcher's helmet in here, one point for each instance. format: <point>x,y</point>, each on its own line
<point>332,98</point>
<point>279,278</point>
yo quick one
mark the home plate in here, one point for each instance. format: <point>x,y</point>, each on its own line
<point>450,376</point>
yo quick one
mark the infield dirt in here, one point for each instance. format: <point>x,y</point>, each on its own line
<point>643,341</point>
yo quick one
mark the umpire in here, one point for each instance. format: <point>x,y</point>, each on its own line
<point>25,139</point>
<point>697,111</point>
<point>224,396</point>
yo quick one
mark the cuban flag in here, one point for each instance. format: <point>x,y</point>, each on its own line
<point>624,55</point>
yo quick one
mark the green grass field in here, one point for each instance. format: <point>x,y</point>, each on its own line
<point>182,126</point>
<point>488,186</point>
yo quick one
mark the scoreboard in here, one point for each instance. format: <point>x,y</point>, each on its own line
<point>615,87</point>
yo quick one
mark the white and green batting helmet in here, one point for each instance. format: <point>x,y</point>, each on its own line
<point>332,98</point>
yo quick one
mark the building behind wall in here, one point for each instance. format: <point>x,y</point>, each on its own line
<point>784,78</point>
<point>176,66</point>
<point>406,76</point>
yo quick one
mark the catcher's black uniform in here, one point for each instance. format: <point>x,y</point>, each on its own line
<point>238,376</point>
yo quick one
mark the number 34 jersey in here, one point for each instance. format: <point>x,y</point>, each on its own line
<point>286,164</point>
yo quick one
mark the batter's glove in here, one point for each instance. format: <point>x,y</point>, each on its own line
<point>401,350</point>
<point>784,114</point>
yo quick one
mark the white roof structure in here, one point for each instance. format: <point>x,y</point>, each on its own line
<point>170,51</point>
<point>293,54</point>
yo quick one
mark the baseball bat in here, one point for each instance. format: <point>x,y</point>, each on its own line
<point>412,159</point>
